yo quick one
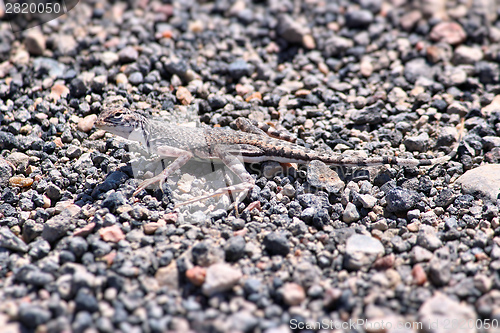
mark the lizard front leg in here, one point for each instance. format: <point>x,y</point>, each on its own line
<point>230,155</point>
<point>182,157</point>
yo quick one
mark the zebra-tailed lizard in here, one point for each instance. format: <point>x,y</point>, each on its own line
<point>233,148</point>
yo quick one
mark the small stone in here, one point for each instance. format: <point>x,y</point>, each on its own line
<point>150,228</point>
<point>87,123</point>
<point>271,169</point>
<point>350,214</point>
<point>57,226</point>
<point>362,251</point>
<point>448,32</point>
<point>358,18</point>
<point>196,275</point>
<point>467,55</point>
<point>400,200</point>
<point>291,30</point>
<point>53,192</point>
<point>112,234</point>
<point>420,254</point>
<point>66,44</point>
<point>113,201</point>
<point>35,42</point>
<point>483,181</point>
<point>419,276</point>
<point>109,58</point>
<point>58,91</point>
<point>276,244</point>
<point>184,96</point>
<point>20,181</point>
<point>121,78</point>
<point>73,152</point>
<point>427,238</point>
<point>293,294</point>
<point>185,182</point>
<point>417,68</point>
<point>240,68</point>
<point>368,201</point>
<point>410,19</point>
<point>33,316</point>
<point>417,143</point>
<point>440,309</point>
<point>10,241</point>
<point>447,136</point>
<point>19,160</point>
<point>321,176</point>
<point>128,54</point>
<point>136,78</point>
<point>235,248</point>
<point>397,96</point>
<point>219,278</point>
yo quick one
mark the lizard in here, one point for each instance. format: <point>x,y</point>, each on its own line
<point>233,148</point>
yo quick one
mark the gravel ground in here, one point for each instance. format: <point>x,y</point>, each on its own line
<point>384,248</point>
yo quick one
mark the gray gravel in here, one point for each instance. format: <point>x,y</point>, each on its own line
<point>316,244</point>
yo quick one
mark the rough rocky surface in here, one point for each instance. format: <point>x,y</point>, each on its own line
<point>367,78</point>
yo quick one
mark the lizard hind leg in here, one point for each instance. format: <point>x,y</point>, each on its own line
<point>229,156</point>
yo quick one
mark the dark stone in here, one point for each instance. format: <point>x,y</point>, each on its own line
<point>77,87</point>
<point>240,68</point>
<point>113,201</point>
<point>235,248</point>
<point>32,316</point>
<point>86,301</point>
<point>358,18</point>
<point>400,200</point>
<point>276,244</point>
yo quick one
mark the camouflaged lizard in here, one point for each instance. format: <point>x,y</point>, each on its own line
<point>233,148</point>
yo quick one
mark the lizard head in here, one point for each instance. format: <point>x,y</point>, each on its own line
<point>120,121</point>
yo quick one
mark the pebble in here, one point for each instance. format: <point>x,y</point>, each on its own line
<point>440,309</point>
<point>467,55</point>
<point>128,54</point>
<point>109,58</point>
<point>417,143</point>
<point>168,276</point>
<point>321,176</point>
<point>293,294</point>
<point>35,42</point>
<point>10,241</point>
<point>483,182</point>
<point>59,91</point>
<point>57,226</point>
<point>184,96</point>
<point>239,68</point>
<point>419,276</point>
<point>400,199</point>
<point>350,214</point>
<point>448,32</point>
<point>428,239</point>
<point>420,254</point>
<point>235,248</point>
<point>291,30</point>
<point>362,251</point>
<point>112,234</point>
<point>358,18</point>
<point>196,275</point>
<point>31,315</point>
<point>276,244</point>
<point>20,181</point>
<point>220,278</point>
<point>136,78</point>
<point>86,124</point>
